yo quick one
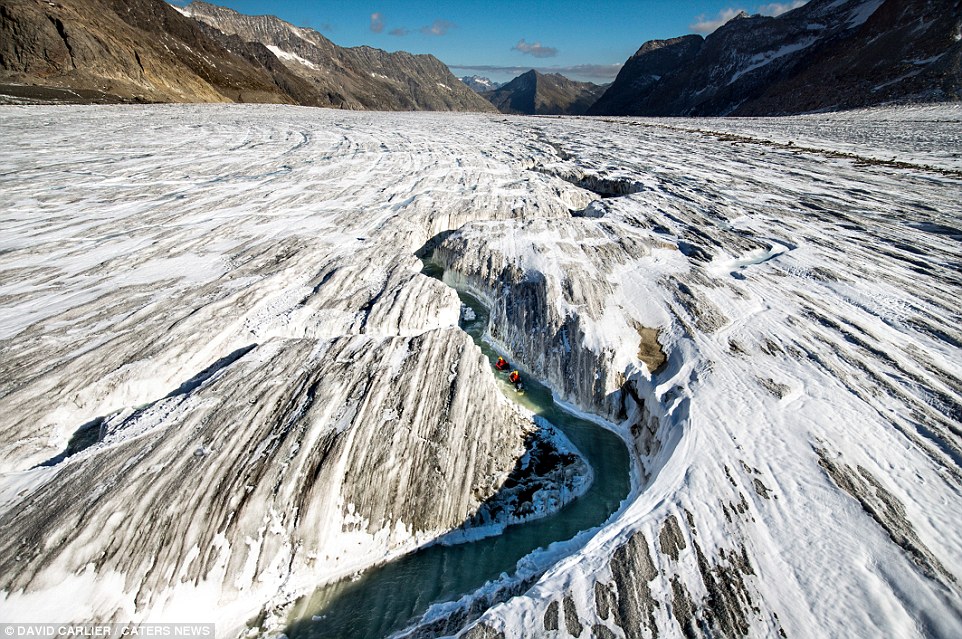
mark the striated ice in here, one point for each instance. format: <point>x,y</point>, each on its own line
<point>767,310</point>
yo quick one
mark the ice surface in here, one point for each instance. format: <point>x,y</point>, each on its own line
<point>232,297</point>
<point>919,135</point>
<point>808,318</point>
<point>187,273</point>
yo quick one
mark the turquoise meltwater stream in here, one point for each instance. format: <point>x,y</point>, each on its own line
<point>387,598</point>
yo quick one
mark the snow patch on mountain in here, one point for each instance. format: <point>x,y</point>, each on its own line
<point>861,13</point>
<point>761,59</point>
<point>481,84</point>
<point>290,57</point>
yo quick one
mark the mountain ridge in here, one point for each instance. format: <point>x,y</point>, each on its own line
<point>347,77</point>
<point>150,51</point>
<point>824,55</point>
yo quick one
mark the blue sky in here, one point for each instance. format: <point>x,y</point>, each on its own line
<point>500,39</point>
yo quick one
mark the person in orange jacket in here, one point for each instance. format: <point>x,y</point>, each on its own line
<point>501,364</point>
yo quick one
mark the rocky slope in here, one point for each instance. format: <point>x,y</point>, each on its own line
<point>535,93</point>
<point>149,51</point>
<point>351,78</point>
<point>825,55</point>
<point>118,50</point>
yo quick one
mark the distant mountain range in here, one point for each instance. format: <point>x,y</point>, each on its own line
<point>480,84</point>
<point>825,55</point>
<point>535,93</point>
<point>146,50</point>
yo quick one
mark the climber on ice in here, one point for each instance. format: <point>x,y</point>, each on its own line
<point>501,364</point>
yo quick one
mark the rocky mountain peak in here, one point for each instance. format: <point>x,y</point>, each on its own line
<point>656,45</point>
<point>355,78</point>
<point>827,54</point>
<point>260,28</point>
<point>534,92</point>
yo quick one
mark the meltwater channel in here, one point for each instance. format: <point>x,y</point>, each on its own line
<point>387,598</point>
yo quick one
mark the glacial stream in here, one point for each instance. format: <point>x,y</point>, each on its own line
<point>387,598</point>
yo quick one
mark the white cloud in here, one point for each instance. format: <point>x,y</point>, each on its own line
<point>704,24</point>
<point>778,8</point>
<point>438,28</point>
<point>535,48</point>
<point>377,22</point>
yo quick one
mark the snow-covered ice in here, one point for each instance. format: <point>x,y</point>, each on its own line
<point>809,410</point>
<point>241,281</point>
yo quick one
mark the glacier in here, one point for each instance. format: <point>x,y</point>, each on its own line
<point>226,380</point>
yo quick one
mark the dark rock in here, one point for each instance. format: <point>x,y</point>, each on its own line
<point>632,570</point>
<point>482,631</point>
<point>907,50</point>
<point>728,606</point>
<point>301,90</point>
<point>653,61</point>
<point>602,632</point>
<point>670,538</point>
<point>147,51</point>
<point>683,608</point>
<point>605,599</point>
<point>572,622</point>
<point>551,616</point>
<point>887,510</point>
<point>761,488</point>
<point>727,610</point>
